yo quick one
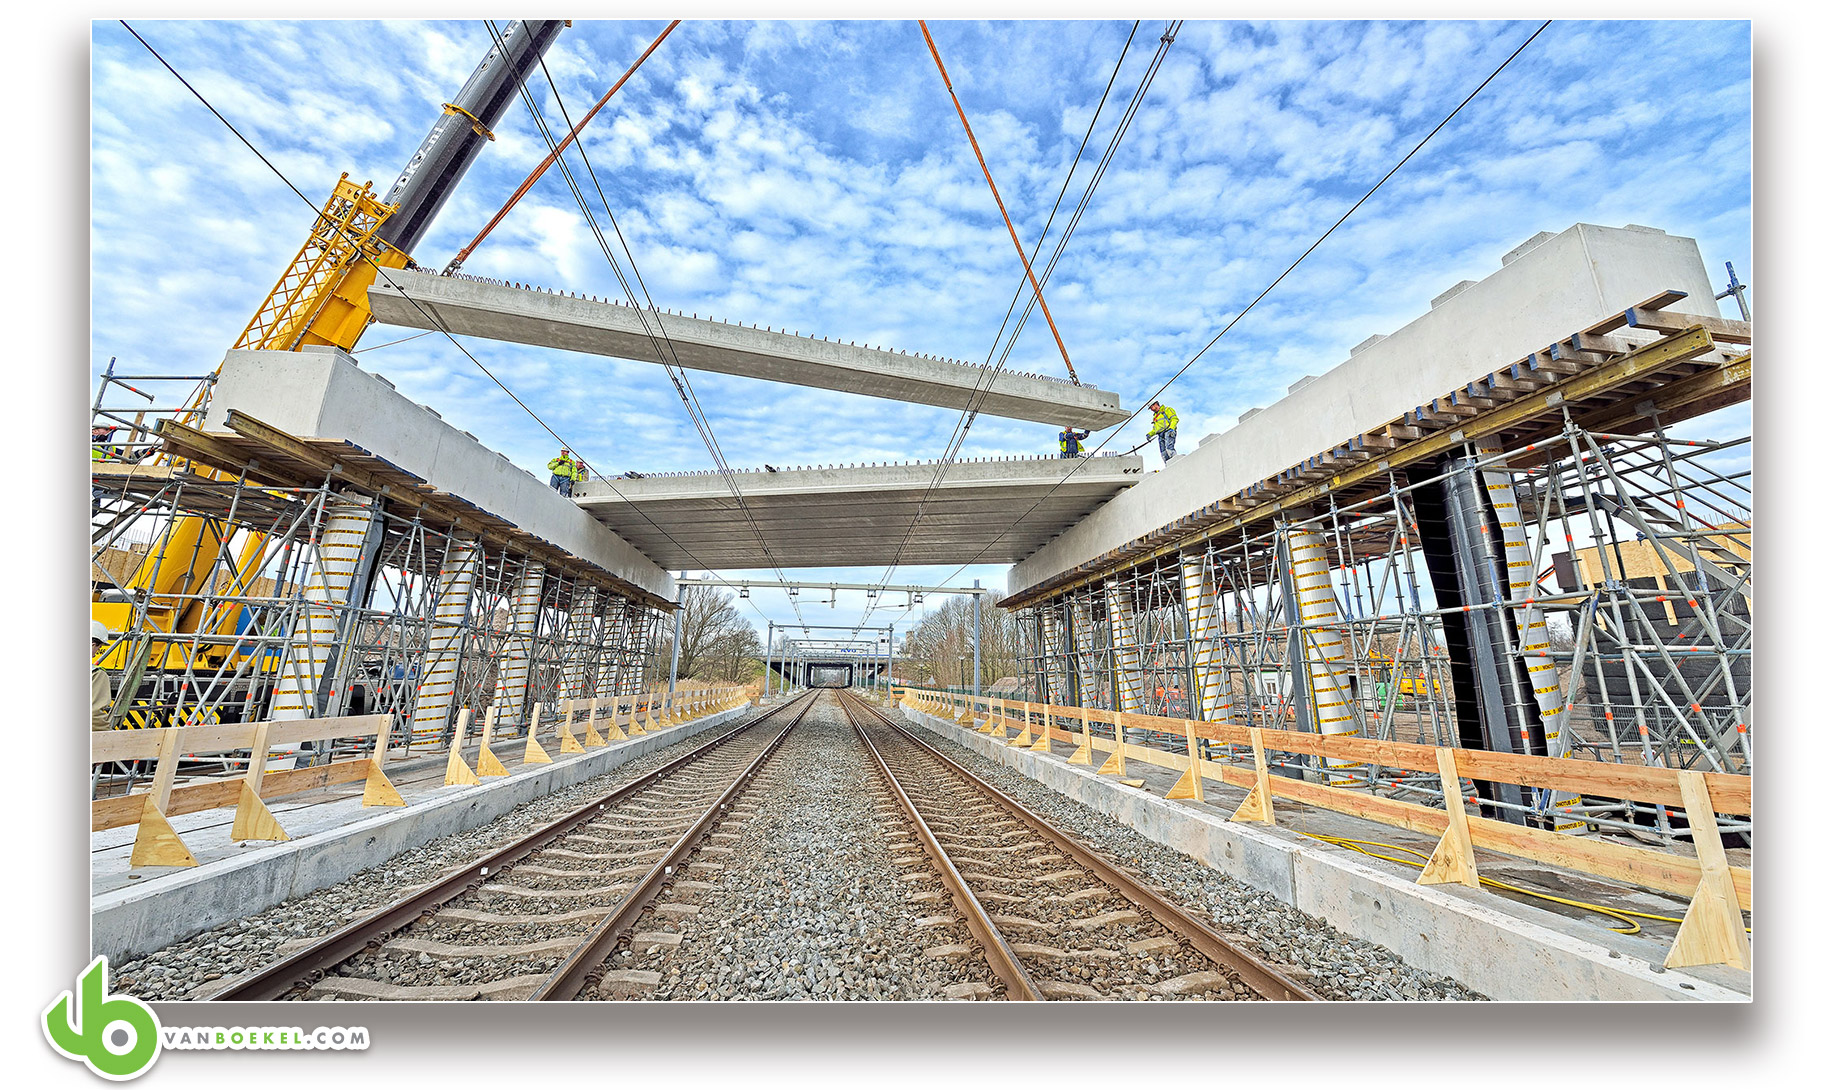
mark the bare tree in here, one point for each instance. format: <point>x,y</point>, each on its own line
<point>939,646</point>
<point>715,642</point>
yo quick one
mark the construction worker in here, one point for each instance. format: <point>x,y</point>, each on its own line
<point>101,699</point>
<point>1164,426</point>
<point>580,475</point>
<point>562,471</point>
<point>1071,441</point>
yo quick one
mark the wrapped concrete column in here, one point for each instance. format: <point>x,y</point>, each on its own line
<point>1324,650</point>
<point>515,664</point>
<point>324,614</point>
<point>1128,680</point>
<point>454,590</point>
<point>1531,626</point>
<point>1203,612</point>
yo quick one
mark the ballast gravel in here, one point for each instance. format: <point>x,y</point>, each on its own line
<point>1331,963</point>
<point>806,902</point>
<point>196,967</point>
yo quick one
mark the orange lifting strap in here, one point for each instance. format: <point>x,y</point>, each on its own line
<point>1041,305</point>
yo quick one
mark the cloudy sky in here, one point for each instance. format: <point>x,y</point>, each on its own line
<point>814,176</point>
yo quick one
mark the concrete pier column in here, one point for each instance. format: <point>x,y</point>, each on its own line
<point>1203,611</point>
<point>1129,678</point>
<point>453,596</point>
<point>1325,651</point>
<point>1532,629</point>
<point>515,665</point>
<point>332,575</point>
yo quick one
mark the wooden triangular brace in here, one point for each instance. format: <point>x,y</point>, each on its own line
<point>1186,787</point>
<point>1115,765</point>
<point>155,842</point>
<point>458,772</point>
<point>1023,736</point>
<point>570,744</point>
<point>1452,862</point>
<point>1254,808</point>
<point>1084,753</point>
<point>591,736</point>
<point>489,764</point>
<point>1041,745</point>
<point>615,733</point>
<point>1712,931</point>
<point>379,791</point>
<point>253,820</point>
<point>534,753</point>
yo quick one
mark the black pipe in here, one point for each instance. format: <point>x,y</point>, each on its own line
<point>433,173</point>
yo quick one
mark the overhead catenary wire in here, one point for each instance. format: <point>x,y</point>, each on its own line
<point>435,320</point>
<point>1264,293</point>
<point>674,370</point>
<point>990,369</point>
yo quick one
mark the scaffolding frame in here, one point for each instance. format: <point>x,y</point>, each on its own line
<point>248,550</point>
<point>1643,541</point>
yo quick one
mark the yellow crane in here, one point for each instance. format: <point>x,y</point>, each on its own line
<point>320,300</point>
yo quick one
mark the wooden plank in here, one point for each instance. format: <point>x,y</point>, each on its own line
<point>125,745</point>
<point>213,738</point>
<point>289,732</point>
<point>1726,330</point>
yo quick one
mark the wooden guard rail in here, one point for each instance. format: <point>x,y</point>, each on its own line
<point>157,844</point>
<point>1712,931</point>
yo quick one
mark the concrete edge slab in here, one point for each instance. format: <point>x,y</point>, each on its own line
<point>1491,951</point>
<point>139,920</point>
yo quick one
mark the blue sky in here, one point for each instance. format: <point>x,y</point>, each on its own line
<point>814,176</point>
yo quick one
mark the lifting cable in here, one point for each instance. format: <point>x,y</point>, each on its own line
<point>434,319</point>
<point>967,125</point>
<point>990,369</point>
<point>556,150</point>
<point>1085,458</point>
<point>674,371</point>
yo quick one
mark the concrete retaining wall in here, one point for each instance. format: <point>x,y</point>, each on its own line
<point>1506,952</point>
<point>139,920</point>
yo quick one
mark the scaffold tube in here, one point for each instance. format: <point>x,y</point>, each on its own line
<point>435,684</point>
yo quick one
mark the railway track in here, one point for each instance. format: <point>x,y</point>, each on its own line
<point>981,898</point>
<point>535,919</point>
<point>1052,919</point>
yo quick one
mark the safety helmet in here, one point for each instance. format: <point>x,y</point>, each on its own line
<point>99,631</point>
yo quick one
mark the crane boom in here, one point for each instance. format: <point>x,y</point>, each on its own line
<point>320,298</point>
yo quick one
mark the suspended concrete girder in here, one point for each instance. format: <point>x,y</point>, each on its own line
<point>476,308</point>
<point>985,512</point>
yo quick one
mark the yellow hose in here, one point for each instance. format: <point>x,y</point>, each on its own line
<point>1625,916</point>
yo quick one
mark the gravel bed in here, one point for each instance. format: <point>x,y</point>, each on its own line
<point>1333,964</point>
<point>196,967</point>
<point>807,903</point>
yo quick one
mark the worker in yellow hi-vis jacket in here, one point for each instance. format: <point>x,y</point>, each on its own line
<point>1164,426</point>
<point>562,471</point>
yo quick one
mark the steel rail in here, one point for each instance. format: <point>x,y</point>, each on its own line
<point>306,966</point>
<point>1266,980</point>
<point>569,978</point>
<point>1004,961</point>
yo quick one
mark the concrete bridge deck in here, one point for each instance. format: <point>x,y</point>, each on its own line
<point>479,308</point>
<point>858,515</point>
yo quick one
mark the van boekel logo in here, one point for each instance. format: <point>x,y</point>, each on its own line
<point>116,1036</point>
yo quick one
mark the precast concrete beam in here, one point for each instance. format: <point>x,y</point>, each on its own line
<point>501,312</point>
<point>1546,290</point>
<point>321,393</point>
<point>991,512</point>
